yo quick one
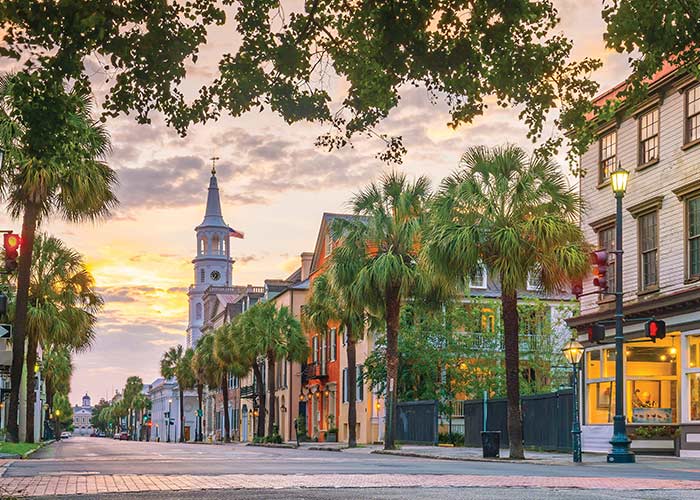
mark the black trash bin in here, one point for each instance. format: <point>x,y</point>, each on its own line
<point>491,444</point>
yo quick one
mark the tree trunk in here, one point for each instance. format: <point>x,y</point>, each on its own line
<point>32,345</point>
<point>200,396</point>
<point>271,392</point>
<point>182,415</point>
<point>31,213</point>
<point>260,389</point>
<point>509,301</point>
<point>351,350</point>
<point>227,421</point>
<point>49,400</point>
<point>393,310</point>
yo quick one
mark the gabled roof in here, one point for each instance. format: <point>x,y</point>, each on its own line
<point>326,221</point>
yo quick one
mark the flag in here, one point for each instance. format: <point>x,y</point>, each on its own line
<point>236,234</point>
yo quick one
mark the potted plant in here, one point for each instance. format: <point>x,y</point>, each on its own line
<point>655,439</point>
<point>332,432</point>
<point>301,429</point>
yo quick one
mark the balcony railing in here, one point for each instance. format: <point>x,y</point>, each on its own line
<point>247,391</point>
<point>489,342</point>
<point>315,371</point>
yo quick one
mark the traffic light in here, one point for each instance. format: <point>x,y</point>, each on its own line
<point>596,333</point>
<point>11,243</point>
<point>655,329</point>
<point>599,259</point>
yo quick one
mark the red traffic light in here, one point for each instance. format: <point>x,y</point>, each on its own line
<point>655,329</point>
<point>596,333</point>
<point>11,244</point>
<point>599,259</point>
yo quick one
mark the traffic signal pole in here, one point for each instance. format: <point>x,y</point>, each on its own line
<point>620,442</point>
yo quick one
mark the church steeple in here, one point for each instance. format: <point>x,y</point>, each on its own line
<point>212,214</point>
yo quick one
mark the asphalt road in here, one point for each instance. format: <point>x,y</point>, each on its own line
<point>81,455</point>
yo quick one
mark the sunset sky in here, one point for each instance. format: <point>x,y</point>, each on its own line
<point>275,185</point>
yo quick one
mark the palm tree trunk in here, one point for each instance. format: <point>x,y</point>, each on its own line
<point>509,301</point>
<point>31,213</point>
<point>260,388</point>
<point>271,392</point>
<point>32,345</point>
<point>200,395</point>
<point>393,309</point>
<point>182,416</point>
<point>227,421</point>
<point>351,351</point>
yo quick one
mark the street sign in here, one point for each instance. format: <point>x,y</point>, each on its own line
<point>198,413</point>
<point>5,331</point>
<point>166,414</point>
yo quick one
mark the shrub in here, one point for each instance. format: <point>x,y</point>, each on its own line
<point>454,438</point>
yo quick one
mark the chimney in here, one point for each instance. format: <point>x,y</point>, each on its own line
<point>306,258</point>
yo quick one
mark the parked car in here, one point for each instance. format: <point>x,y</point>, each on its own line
<point>123,436</point>
<point>65,435</point>
<point>117,435</point>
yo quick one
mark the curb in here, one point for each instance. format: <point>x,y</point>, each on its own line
<point>273,445</point>
<point>529,461</point>
<point>41,445</point>
<point>324,448</point>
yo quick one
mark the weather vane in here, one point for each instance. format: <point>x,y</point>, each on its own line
<point>213,164</point>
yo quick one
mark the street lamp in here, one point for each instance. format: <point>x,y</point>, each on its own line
<point>57,413</point>
<point>573,351</point>
<point>620,452</point>
<point>170,405</point>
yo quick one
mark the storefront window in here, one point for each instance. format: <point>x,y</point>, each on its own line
<point>652,382</point>
<point>600,375</point>
<point>694,351</point>
<point>694,396</point>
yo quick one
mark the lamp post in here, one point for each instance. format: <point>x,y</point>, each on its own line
<point>573,351</point>
<point>57,414</point>
<point>170,406</point>
<point>620,442</point>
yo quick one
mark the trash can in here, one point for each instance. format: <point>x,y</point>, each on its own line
<point>491,444</point>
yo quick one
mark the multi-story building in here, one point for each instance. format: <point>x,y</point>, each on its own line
<point>81,417</point>
<point>658,142</point>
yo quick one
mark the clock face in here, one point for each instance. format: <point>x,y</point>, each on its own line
<point>215,275</point>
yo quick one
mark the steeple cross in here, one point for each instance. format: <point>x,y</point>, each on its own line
<point>214,159</point>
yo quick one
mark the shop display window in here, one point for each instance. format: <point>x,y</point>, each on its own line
<point>694,396</point>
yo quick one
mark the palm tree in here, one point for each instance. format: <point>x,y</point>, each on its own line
<point>230,361</point>
<point>176,363</point>
<point>62,307</point>
<point>383,244</point>
<point>53,164</point>
<point>132,389</point>
<point>516,215</point>
<point>337,304</point>
<point>199,370</point>
<point>274,334</point>
<point>57,370</point>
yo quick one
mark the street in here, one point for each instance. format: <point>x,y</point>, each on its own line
<point>105,468</point>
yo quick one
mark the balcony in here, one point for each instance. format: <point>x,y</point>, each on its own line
<point>315,371</point>
<point>247,391</point>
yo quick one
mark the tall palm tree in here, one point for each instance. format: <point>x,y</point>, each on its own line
<point>273,333</point>
<point>132,389</point>
<point>383,244</point>
<point>57,370</point>
<point>230,361</point>
<point>516,215</point>
<point>200,372</point>
<point>176,363</point>
<point>54,152</point>
<point>332,303</point>
<point>62,307</point>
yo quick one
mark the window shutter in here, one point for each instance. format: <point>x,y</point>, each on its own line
<point>345,385</point>
<point>334,344</point>
<point>360,384</point>
<point>314,348</point>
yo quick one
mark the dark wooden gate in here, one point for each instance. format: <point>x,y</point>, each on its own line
<point>417,422</point>
<point>546,420</point>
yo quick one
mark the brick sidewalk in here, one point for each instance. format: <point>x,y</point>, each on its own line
<point>82,484</point>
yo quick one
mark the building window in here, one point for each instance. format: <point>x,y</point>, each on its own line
<point>608,155</point>
<point>333,343</point>
<point>345,385</point>
<point>201,275</point>
<point>198,311</point>
<point>314,348</point>
<point>488,320</point>
<point>648,250</point>
<point>693,237</point>
<point>649,137</point>
<point>533,280</point>
<point>692,114</point>
<point>606,241</point>
<point>694,376</point>
<point>328,244</point>
<point>600,385</point>
<point>479,277</point>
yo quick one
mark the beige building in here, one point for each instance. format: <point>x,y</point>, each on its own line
<point>659,143</point>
